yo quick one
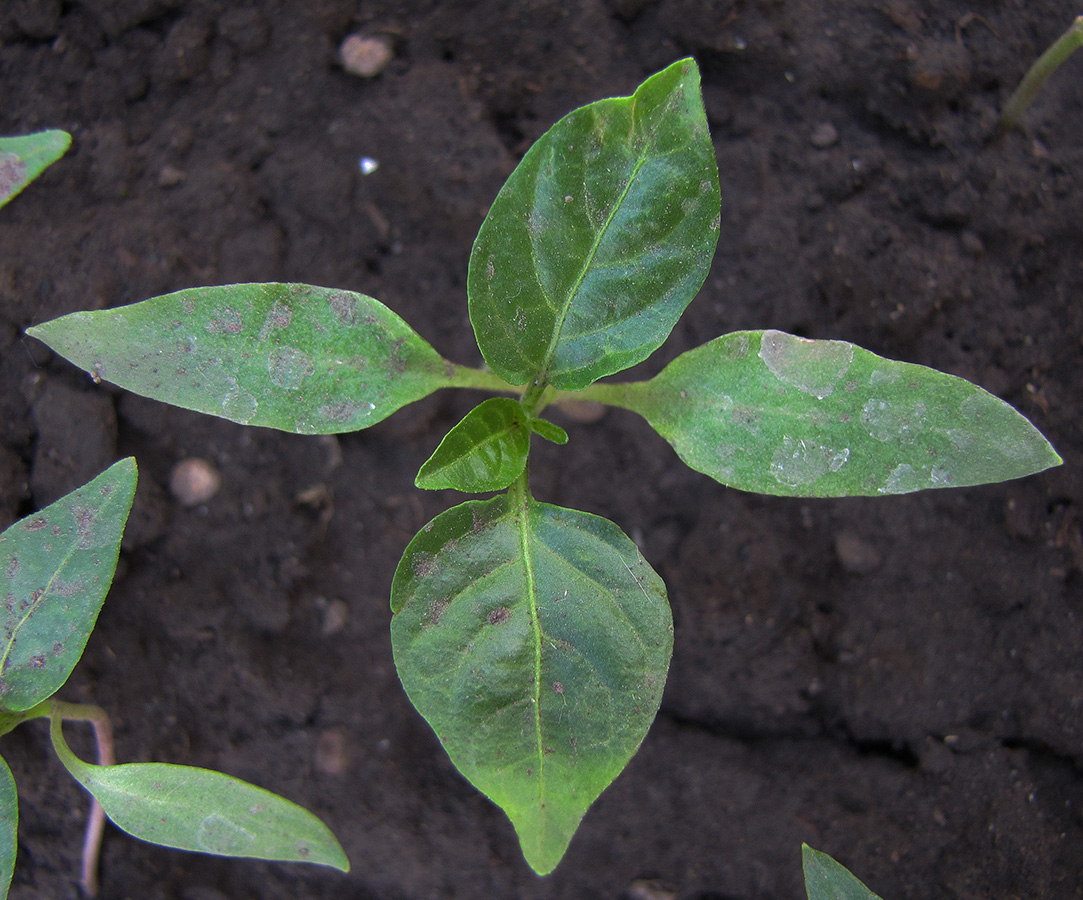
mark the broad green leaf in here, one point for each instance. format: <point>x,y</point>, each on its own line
<point>826,879</point>
<point>22,159</point>
<point>9,827</point>
<point>196,809</point>
<point>768,412</point>
<point>600,238</point>
<point>289,356</point>
<point>55,570</point>
<point>535,641</point>
<point>486,451</point>
<point>549,430</point>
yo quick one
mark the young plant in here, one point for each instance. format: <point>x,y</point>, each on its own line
<point>1036,76</point>
<point>22,159</point>
<point>56,567</point>
<point>535,639</point>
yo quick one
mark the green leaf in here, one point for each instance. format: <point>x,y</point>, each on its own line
<point>22,159</point>
<point>826,879</point>
<point>486,451</point>
<point>196,809</point>
<point>600,238</point>
<point>549,430</point>
<point>55,570</point>
<point>768,412</point>
<point>535,641</point>
<point>289,356</point>
<point>9,827</point>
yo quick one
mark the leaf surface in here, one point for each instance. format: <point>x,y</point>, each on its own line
<point>826,879</point>
<point>600,238</point>
<point>535,640</point>
<point>288,356</point>
<point>56,567</point>
<point>486,451</point>
<point>9,827</point>
<point>22,159</point>
<point>196,809</point>
<point>768,412</point>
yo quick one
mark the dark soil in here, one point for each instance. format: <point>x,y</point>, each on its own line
<point>897,681</point>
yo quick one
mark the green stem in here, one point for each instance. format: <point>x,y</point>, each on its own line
<point>480,379</point>
<point>1045,66</point>
<point>618,393</point>
<point>103,736</point>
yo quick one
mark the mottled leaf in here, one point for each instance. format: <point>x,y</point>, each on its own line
<point>486,451</point>
<point>196,809</point>
<point>600,238</point>
<point>55,570</point>
<point>535,640</point>
<point>288,356</point>
<point>9,827</point>
<point>826,879</point>
<point>22,159</point>
<point>768,412</point>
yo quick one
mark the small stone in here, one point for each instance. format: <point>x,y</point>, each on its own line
<point>170,176</point>
<point>824,135</point>
<point>333,752</point>
<point>586,411</point>
<point>973,246</point>
<point>335,614</point>
<point>649,889</point>
<point>365,56</point>
<point>855,554</point>
<point>194,481</point>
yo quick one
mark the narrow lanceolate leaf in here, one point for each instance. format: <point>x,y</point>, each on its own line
<point>9,827</point>
<point>535,640</point>
<point>55,570</point>
<point>196,809</point>
<point>825,879</point>
<point>22,159</point>
<point>600,238</point>
<point>768,412</point>
<point>288,356</point>
<point>486,451</point>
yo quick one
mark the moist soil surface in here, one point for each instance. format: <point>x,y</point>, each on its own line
<point>895,681</point>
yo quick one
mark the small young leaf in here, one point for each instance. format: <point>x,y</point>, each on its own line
<point>486,451</point>
<point>288,356</point>
<point>22,159</point>
<point>600,238</point>
<point>196,809</point>
<point>55,570</point>
<point>535,641</point>
<point>825,879</point>
<point>768,412</point>
<point>549,430</point>
<point>9,827</point>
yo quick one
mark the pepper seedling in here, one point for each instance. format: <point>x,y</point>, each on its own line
<point>536,639</point>
<point>1037,75</point>
<point>22,159</point>
<point>56,567</point>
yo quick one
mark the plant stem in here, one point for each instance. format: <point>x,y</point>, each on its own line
<point>613,393</point>
<point>1045,66</point>
<point>103,737</point>
<point>480,379</point>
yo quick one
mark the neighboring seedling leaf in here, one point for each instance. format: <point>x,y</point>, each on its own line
<point>55,568</point>
<point>9,827</point>
<point>549,430</point>
<point>486,451</point>
<point>600,238</point>
<point>22,159</point>
<point>288,356</point>
<point>826,879</point>
<point>768,412</point>
<point>196,809</point>
<point>535,640</point>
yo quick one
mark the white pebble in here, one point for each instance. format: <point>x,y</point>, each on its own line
<point>365,56</point>
<point>194,481</point>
